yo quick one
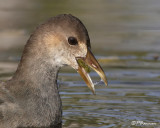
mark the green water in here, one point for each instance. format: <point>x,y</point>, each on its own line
<point>125,38</point>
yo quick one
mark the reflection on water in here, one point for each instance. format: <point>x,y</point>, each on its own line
<point>128,38</point>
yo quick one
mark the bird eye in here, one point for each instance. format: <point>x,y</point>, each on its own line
<point>72,41</point>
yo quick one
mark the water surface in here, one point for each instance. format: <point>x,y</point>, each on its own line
<point>125,37</point>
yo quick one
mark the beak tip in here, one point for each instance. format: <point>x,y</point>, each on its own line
<point>94,93</point>
<point>106,83</point>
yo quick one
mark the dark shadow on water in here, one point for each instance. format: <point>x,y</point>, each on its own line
<point>52,126</point>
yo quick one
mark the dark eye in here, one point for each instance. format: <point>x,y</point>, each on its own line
<point>72,41</point>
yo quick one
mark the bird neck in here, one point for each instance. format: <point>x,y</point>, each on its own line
<point>36,72</point>
<point>34,86</point>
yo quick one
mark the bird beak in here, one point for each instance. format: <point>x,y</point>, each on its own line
<point>83,69</point>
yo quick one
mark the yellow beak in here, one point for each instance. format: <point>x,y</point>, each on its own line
<point>83,69</point>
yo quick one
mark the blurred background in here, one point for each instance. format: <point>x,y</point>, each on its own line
<point>125,38</point>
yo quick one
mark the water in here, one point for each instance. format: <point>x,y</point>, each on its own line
<point>125,37</point>
<point>133,94</point>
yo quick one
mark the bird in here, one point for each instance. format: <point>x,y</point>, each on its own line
<point>30,99</point>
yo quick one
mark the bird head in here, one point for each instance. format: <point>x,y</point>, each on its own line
<point>68,43</point>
